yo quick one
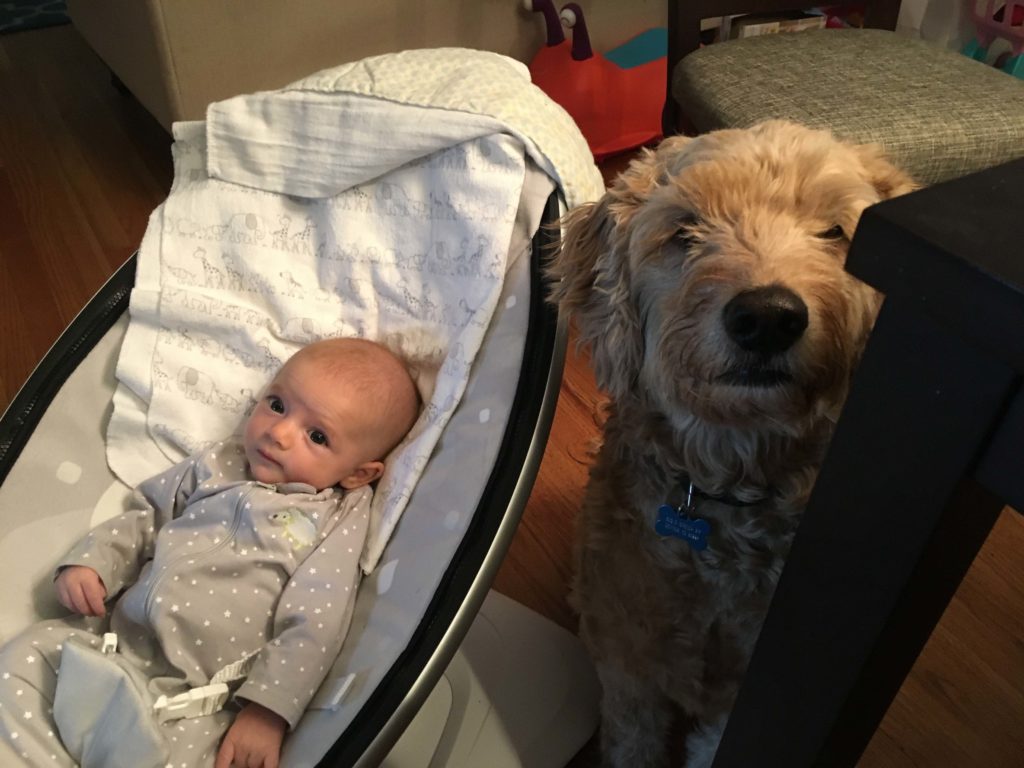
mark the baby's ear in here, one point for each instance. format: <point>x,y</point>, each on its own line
<point>364,475</point>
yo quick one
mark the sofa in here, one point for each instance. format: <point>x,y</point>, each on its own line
<point>177,56</point>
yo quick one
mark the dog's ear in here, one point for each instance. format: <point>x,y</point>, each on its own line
<point>591,283</point>
<point>885,177</point>
<point>592,274</point>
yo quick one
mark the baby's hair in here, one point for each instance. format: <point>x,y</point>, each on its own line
<point>379,375</point>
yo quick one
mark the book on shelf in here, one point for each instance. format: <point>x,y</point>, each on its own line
<point>760,24</point>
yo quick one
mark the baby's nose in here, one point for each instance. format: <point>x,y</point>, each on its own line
<point>281,433</point>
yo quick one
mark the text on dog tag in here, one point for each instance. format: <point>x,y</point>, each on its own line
<point>692,530</point>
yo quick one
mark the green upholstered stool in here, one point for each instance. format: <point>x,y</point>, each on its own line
<point>938,113</point>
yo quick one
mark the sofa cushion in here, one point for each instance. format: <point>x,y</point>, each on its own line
<point>937,113</point>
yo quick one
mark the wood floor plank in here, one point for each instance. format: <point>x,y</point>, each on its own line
<point>82,169</point>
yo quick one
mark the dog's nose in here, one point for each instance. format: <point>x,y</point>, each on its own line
<point>765,320</point>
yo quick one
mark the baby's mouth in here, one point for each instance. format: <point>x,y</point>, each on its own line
<point>267,457</point>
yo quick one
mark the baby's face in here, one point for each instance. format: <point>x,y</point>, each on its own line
<point>310,428</point>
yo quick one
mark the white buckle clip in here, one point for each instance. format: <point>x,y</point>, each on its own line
<point>109,643</point>
<point>195,703</point>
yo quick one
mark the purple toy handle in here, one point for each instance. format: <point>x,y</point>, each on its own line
<point>581,49</point>
<point>551,20</point>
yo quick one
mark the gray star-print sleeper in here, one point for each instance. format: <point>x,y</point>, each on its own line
<point>206,567</point>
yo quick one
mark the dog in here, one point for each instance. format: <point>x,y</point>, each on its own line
<point>709,284</point>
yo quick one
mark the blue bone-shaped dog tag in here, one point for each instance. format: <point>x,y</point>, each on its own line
<point>693,530</point>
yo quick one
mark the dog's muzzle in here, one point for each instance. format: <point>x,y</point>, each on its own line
<point>764,322</point>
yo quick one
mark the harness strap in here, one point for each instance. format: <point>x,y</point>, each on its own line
<point>236,670</point>
<point>206,699</point>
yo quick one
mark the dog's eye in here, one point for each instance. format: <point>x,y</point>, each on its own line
<point>835,233</point>
<point>683,238</point>
<point>686,234</point>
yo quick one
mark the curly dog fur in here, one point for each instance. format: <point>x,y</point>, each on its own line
<point>709,284</point>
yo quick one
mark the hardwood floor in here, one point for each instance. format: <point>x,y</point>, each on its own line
<point>82,166</point>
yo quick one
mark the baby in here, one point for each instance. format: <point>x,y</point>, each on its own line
<point>247,552</point>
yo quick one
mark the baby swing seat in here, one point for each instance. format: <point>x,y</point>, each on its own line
<point>435,670</point>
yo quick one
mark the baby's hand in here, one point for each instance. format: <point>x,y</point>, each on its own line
<point>253,740</point>
<point>80,589</point>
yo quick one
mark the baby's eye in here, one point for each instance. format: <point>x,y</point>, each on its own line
<point>276,404</point>
<point>318,437</point>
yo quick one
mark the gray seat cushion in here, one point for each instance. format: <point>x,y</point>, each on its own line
<point>938,113</point>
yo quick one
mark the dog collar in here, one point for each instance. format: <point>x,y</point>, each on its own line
<point>693,493</point>
<point>681,522</point>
